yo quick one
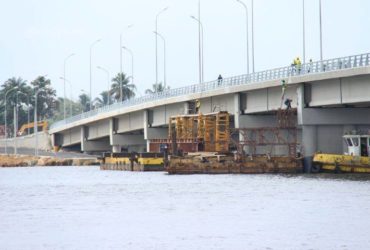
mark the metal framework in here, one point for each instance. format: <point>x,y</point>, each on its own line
<point>284,134</point>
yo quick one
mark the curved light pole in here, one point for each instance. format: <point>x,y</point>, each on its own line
<point>156,44</point>
<point>70,89</point>
<point>28,108</point>
<point>164,58</point>
<point>247,31</point>
<point>6,131</point>
<point>121,63</point>
<point>35,124</point>
<point>321,57</point>
<point>252,36</point>
<point>108,82</point>
<point>201,59</point>
<point>132,61</point>
<point>64,83</point>
<point>91,47</point>
<point>304,32</point>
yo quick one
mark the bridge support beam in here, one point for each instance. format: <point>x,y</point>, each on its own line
<point>92,146</point>
<point>237,110</point>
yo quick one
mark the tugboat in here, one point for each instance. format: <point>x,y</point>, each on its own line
<point>356,160</point>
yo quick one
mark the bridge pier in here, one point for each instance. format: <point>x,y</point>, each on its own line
<point>92,145</point>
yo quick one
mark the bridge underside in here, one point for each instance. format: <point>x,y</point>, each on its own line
<point>326,110</point>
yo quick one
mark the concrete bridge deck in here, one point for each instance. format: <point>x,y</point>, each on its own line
<point>332,97</point>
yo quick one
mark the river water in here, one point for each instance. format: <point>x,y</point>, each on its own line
<point>85,208</point>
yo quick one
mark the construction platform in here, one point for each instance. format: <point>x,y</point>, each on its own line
<point>226,164</point>
<point>133,162</point>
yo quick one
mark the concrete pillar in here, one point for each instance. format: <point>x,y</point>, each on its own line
<point>116,149</point>
<point>309,141</point>
<point>300,103</point>
<point>146,127</point>
<point>237,110</point>
<point>92,146</point>
<point>112,132</point>
<point>186,108</point>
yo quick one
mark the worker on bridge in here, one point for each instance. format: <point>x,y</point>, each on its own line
<point>288,103</point>
<point>219,79</point>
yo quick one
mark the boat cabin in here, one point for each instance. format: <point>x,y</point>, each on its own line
<point>358,145</point>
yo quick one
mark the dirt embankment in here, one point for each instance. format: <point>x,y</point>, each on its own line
<point>28,161</point>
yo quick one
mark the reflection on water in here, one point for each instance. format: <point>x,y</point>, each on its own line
<point>84,208</point>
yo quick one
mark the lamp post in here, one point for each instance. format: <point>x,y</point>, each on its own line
<point>247,31</point>
<point>5,113</point>
<point>304,31</point>
<point>164,59</point>
<point>35,124</point>
<point>121,63</point>
<point>156,44</point>
<point>108,82</point>
<point>132,61</point>
<point>91,47</point>
<point>28,108</point>
<point>320,17</point>
<point>70,89</point>
<point>252,36</point>
<point>64,84</point>
<point>201,62</point>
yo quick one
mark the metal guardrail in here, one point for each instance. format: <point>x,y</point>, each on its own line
<point>348,62</point>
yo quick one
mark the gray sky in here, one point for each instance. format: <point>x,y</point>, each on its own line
<point>38,34</point>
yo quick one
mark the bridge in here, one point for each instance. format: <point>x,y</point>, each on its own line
<point>331,96</point>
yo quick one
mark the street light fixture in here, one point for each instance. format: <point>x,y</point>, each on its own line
<point>132,61</point>
<point>121,63</point>
<point>64,83</point>
<point>108,82</point>
<point>164,58</point>
<point>70,89</point>
<point>247,32</point>
<point>5,113</point>
<point>304,32</point>
<point>321,56</point>
<point>35,123</point>
<point>201,59</point>
<point>28,108</point>
<point>253,36</point>
<point>156,44</point>
<point>91,47</point>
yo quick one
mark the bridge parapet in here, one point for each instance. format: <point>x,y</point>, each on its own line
<point>317,67</point>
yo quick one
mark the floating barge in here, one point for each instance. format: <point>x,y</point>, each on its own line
<point>223,164</point>
<point>355,160</point>
<point>133,162</point>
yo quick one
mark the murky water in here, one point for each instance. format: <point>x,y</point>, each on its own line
<point>84,208</point>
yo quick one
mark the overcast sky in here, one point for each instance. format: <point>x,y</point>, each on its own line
<point>37,35</point>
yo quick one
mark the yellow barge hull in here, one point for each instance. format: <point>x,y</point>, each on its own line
<point>341,163</point>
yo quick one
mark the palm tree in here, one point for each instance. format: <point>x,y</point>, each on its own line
<point>84,101</point>
<point>157,87</point>
<point>104,99</point>
<point>12,98</point>
<point>128,90</point>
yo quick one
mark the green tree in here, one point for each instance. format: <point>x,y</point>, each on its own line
<point>128,90</point>
<point>46,99</point>
<point>18,91</point>
<point>84,101</point>
<point>156,88</point>
<point>102,100</point>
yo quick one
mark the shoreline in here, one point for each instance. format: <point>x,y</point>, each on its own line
<point>7,161</point>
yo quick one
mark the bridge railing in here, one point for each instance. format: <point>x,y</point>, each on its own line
<point>341,63</point>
